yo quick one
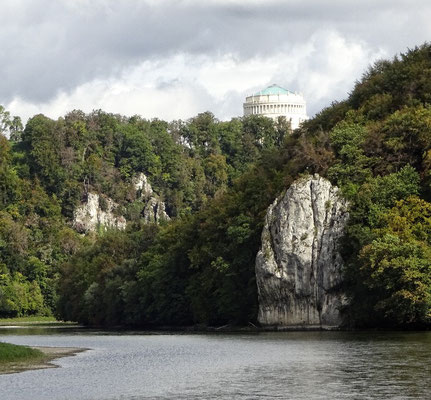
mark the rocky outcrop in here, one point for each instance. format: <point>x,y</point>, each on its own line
<point>97,212</point>
<point>142,186</point>
<point>298,268</point>
<point>154,210</point>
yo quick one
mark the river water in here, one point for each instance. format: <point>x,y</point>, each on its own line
<point>288,365</point>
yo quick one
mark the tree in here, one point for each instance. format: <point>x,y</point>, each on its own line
<point>16,129</point>
<point>4,120</point>
<point>397,264</point>
<point>9,181</point>
<point>10,125</point>
<point>43,143</point>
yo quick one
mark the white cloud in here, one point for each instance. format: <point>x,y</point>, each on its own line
<point>53,46</point>
<point>329,65</point>
<point>182,85</point>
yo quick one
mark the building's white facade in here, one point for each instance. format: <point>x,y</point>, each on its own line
<point>274,102</point>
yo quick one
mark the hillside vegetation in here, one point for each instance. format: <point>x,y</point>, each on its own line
<point>49,167</point>
<point>217,179</point>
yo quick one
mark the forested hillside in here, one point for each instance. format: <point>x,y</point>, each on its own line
<point>48,169</point>
<point>217,179</point>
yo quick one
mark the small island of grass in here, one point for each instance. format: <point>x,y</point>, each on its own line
<point>12,352</point>
<point>14,358</point>
<point>33,320</point>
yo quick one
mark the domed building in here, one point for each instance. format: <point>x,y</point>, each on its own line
<point>274,102</point>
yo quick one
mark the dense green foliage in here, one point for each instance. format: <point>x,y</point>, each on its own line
<point>186,163</point>
<point>396,265</point>
<point>34,241</point>
<point>49,167</point>
<point>217,179</point>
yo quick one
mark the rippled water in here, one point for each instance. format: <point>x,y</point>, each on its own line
<point>290,365</point>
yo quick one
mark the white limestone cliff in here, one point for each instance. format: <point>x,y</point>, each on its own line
<point>90,215</point>
<point>154,210</point>
<point>142,186</point>
<point>298,268</point>
<point>98,211</point>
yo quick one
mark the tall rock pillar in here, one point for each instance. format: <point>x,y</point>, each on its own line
<point>298,268</point>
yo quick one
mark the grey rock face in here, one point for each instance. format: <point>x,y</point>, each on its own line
<point>298,268</point>
<point>142,186</point>
<point>89,216</point>
<point>154,210</point>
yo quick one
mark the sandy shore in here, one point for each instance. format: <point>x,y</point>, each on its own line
<point>51,353</point>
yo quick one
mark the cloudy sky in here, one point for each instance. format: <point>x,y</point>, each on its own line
<point>172,59</point>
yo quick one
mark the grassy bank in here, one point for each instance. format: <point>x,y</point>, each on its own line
<point>34,320</point>
<point>15,358</point>
<point>12,353</point>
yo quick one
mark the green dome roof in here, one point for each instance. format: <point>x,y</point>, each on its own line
<point>273,89</point>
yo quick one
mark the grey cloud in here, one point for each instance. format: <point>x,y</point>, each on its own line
<point>50,46</point>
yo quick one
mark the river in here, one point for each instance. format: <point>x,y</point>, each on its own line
<point>288,365</point>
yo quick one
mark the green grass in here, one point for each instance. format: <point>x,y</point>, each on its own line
<point>27,320</point>
<point>12,353</point>
<point>34,320</point>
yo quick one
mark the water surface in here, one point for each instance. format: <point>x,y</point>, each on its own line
<point>288,365</point>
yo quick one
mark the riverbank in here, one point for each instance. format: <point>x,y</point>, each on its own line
<point>33,320</point>
<point>22,358</point>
